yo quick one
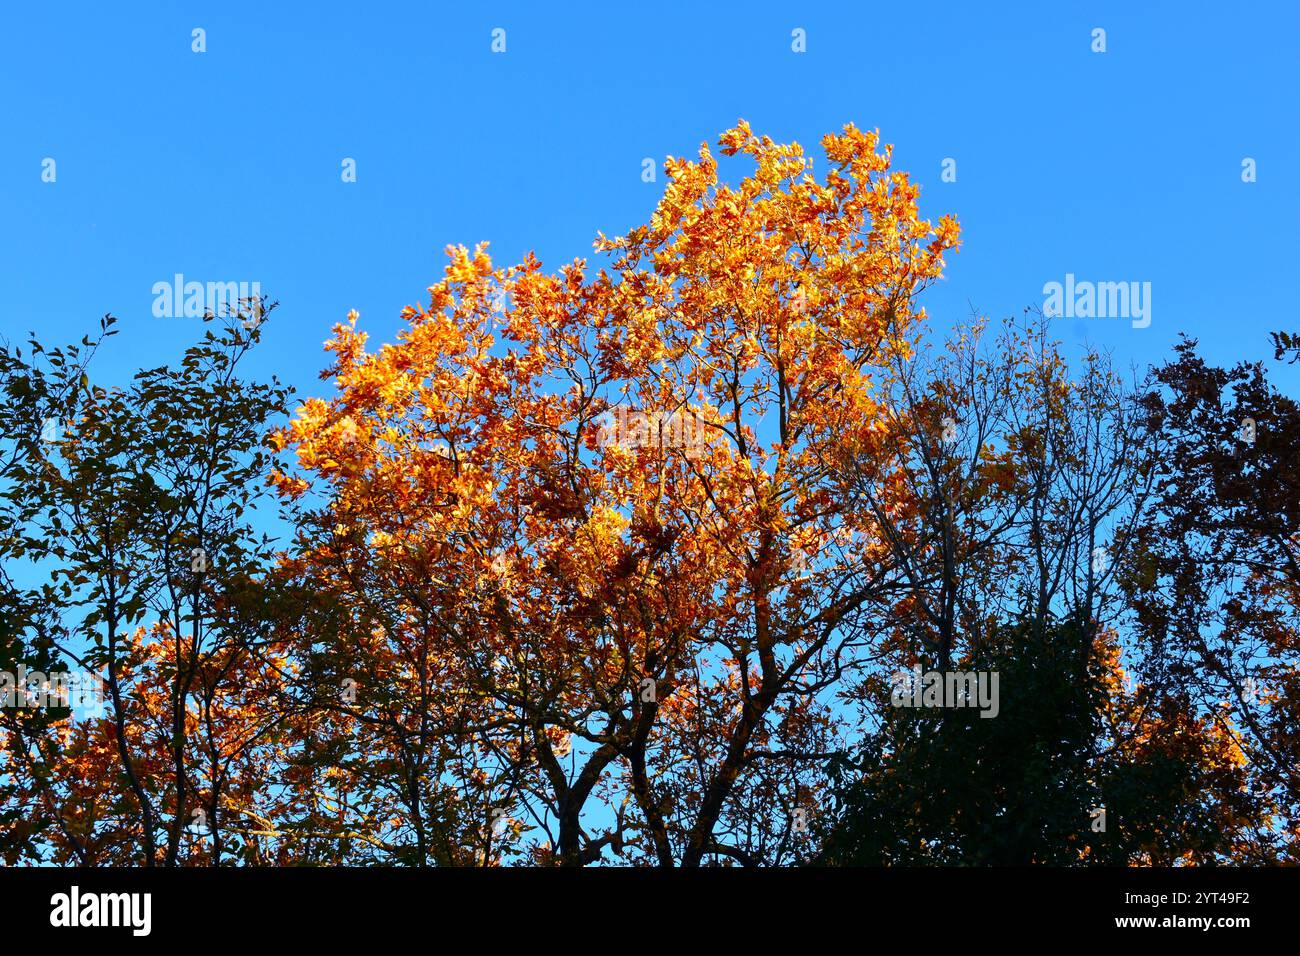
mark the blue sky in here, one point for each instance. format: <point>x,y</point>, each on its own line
<point>225,165</point>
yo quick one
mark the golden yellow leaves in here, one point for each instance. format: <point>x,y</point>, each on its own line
<point>467,269</point>
<point>761,313</point>
<point>739,138</point>
<point>289,487</point>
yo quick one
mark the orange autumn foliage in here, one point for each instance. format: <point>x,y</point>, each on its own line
<point>639,580</point>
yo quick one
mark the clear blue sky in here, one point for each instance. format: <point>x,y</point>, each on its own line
<point>225,165</point>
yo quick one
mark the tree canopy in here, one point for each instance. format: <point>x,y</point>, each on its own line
<point>625,563</point>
